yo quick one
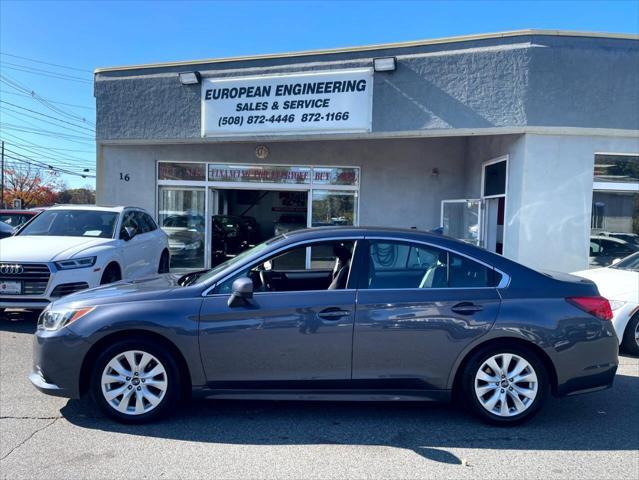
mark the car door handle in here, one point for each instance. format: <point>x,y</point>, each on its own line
<point>467,308</point>
<point>333,314</point>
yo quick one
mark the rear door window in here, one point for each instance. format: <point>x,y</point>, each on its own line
<point>397,265</point>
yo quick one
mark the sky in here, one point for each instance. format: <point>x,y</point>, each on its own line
<point>75,37</point>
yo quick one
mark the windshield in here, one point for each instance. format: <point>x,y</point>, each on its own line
<point>73,223</point>
<point>629,263</point>
<point>255,251</point>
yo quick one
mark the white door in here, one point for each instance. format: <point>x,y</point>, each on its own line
<point>461,219</point>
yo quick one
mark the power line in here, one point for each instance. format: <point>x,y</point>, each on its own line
<point>44,115</point>
<point>17,86</point>
<point>53,148</point>
<point>35,163</point>
<point>74,105</point>
<point>61,158</point>
<point>47,133</point>
<point>58,161</point>
<point>44,73</point>
<point>46,63</point>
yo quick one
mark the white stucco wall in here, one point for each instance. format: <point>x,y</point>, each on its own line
<point>398,188</point>
<point>548,219</point>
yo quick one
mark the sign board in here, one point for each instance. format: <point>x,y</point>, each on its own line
<point>283,174</point>
<point>318,102</point>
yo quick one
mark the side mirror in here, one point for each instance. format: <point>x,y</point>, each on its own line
<point>128,233</point>
<point>616,261</point>
<point>242,292</point>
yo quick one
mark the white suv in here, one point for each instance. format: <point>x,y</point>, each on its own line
<point>69,248</point>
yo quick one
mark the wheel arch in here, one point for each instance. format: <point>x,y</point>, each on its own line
<point>113,263</point>
<point>504,342</point>
<point>99,346</point>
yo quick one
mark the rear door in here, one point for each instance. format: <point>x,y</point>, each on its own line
<point>418,307</point>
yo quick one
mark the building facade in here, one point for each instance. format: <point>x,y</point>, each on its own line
<point>525,143</point>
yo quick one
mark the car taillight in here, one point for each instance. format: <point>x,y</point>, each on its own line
<point>597,306</point>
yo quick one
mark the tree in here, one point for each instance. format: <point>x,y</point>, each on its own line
<point>27,183</point>
<point>78,196</point>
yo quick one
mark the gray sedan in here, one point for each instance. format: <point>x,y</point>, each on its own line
<point>333,313</point>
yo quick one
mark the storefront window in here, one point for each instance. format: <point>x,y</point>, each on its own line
<point>335,176</point>
<point>181,171</point>
<point>259,174</point>
<point>615,209</point>
<point>182,217</point>
<point>334,208</point>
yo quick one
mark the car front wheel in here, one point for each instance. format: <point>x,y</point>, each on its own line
<point>505,386</point>
<point>135,381</point>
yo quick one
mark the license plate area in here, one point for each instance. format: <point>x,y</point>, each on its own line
<point>8,287</point>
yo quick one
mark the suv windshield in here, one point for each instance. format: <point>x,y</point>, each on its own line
<point>629,263</point>
<point>72,223</point>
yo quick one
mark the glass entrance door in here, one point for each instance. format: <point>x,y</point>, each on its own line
<point>181,215</point>
<point>461,219</point>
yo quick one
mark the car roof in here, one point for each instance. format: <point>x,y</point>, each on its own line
<point>97,208</point>
<point>18,212</point>
<point>610,239</point>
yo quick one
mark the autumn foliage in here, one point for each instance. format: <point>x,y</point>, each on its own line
<point>30,185</point>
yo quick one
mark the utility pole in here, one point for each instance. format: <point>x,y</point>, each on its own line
<point>2,177</point>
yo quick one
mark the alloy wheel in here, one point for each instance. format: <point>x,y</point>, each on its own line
<point>637,334</point>
<point>506,385</point>
<point>134,382</point>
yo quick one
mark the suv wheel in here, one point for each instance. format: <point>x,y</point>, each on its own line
<point>630,342</point>
<point>135,381</point>
<point>111,275</point>
<point>505,385</point>
<point>164,263</point>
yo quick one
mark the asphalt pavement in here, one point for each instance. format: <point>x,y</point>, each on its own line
<point>587,436</point>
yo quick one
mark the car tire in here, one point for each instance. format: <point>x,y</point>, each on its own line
<point>164,265</point>
<point>111,274</point>
<point>507,396</point>
<point>127,395</point>
<point>630,341</point>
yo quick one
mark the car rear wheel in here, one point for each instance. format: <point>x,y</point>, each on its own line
<point>135,381</point>
<point>505,385</point>
<point>630,341</point>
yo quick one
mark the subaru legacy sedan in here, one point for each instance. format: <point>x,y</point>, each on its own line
<point>333,313</point>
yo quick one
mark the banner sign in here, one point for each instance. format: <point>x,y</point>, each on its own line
<point>324,102</point>
<point>283,174</point>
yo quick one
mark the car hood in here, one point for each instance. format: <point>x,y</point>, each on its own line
<point>149,288</point>
<point>43,248</point>
<point>614,283</point>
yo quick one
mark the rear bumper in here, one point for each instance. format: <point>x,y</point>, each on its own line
<point>601,380</point>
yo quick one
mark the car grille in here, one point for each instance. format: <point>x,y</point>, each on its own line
<point>34,277</point>
<point>68,288</point>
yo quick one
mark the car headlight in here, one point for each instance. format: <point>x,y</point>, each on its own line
<point>75,263</point>
<point>616,304</point>
<point>192,246</point>
<point>56,319</point>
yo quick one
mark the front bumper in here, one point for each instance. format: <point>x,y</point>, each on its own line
<point>57,278</point>
<point>57,362</point>
<point>622,316</point>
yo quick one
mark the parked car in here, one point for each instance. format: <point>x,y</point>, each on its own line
<point>250,231</point>
<point>604,250</point>
<point>620,284</point>
<point>289,222</point>
<point>5,230</point>
<point>16,218</point>
<point>186,236</point>
<point>400,315</point>
<point>70,248</point>
<point>227,235</point>
<point>626,237</point>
